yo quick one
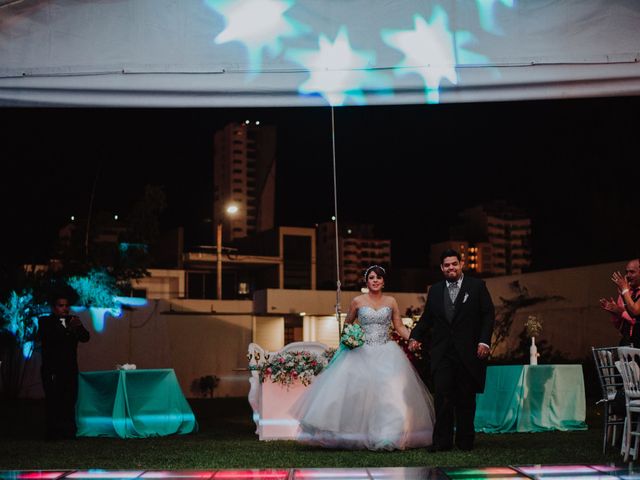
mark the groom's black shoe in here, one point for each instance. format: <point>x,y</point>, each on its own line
<point>439,448</point>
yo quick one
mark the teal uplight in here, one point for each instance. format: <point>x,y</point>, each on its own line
<point>27,349</point>
<point>125,247</point>
<point>131,301</point>
<point>99,316</point>
<point>486,12</point>
<point>20,318</point>
<point>259,25</point>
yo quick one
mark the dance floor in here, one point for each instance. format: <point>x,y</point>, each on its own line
<point>542,472</point>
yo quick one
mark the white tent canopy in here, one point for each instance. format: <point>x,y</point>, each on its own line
<point>214,53</point>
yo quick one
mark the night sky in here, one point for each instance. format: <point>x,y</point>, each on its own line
<point>572,164</point>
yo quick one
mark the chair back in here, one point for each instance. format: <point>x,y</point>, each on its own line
<point>629,367</point>
<point>610,380</point>
<point>316,348</point>
<point>255,355</point>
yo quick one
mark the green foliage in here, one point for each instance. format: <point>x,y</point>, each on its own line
<point>227,439</point>
<point>208,384</point>
<point>96,289</point>
<point>19,316</point>
<point>18,327</point>
<point>505,313</point>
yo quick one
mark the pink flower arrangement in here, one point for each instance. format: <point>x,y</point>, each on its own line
<point>289,367</point>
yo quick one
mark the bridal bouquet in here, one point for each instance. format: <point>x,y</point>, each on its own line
<point>352,335</point>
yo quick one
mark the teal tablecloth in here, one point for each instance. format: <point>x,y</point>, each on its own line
<point>532,398</point>
<point>132,404</point>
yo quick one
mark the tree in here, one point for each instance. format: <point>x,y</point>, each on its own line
<point>18,327</point>
<point>505,313</point>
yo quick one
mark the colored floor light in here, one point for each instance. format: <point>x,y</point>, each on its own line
<point>549,470</point>
<point>32,475</point>
<point>489,472</point>
<point>111,474</point>
<point>179,474</point>
<point>406,473</point>
<point>596,476</point>
<point>342,473</point>
<point>254,474</point>
<point>618,470</point>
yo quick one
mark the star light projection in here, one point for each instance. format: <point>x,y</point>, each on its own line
<point>336,71</point>
<point>258,24</point>
<point>487,17</point>
<point>430,51</point>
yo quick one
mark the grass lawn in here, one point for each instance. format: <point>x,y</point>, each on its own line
<point>227,440</point>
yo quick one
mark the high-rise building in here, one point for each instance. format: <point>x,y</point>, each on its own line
<point>244,175</point>
<point>494,239</point>
<point>358,249</point>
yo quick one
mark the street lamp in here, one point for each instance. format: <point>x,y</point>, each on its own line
<point>230,210</point>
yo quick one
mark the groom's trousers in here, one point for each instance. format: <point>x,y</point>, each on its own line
<point>455,403</point>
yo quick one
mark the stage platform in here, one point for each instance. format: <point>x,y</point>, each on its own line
<point>524,472</point>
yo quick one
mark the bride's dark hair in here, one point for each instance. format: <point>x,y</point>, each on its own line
<point>380,271</point>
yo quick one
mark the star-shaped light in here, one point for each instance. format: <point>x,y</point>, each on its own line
<point>485,12</point>
<point>429,51</point>
<point>258,24</point>
<point>337,72</point>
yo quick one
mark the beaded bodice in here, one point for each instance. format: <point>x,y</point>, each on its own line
<point>375,324</point>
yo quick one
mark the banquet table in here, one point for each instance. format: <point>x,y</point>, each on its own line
<point>531,398</point>
<point>132,404</point>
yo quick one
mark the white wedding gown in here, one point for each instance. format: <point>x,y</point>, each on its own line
<point>369,397</point>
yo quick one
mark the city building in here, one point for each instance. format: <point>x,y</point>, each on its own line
<point>283,257</point>
<point>245,176</point>
<point>493,239</point>
<point>358,249</point>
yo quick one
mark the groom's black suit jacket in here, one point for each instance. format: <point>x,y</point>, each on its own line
<point>472,323</point>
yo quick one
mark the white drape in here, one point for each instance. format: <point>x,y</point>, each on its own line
<point>210,53</point>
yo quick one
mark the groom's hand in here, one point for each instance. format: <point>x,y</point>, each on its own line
<point>483,351</point>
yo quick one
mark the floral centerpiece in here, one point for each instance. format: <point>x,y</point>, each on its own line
<point>533,326</point>
<point>288,367</point>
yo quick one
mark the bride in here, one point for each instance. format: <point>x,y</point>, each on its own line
<point>371,396</point>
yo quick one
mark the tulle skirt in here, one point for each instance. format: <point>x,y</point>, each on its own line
<point>369,398</point>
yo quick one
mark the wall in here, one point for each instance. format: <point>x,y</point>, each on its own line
<point>205,337</point>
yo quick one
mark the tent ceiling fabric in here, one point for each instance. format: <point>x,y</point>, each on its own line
<point>228,53</point>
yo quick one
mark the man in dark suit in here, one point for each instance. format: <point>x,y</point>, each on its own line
<point>458,321</point>
<point>59,334</point>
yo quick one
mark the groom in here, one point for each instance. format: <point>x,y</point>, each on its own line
<point>458,321</point>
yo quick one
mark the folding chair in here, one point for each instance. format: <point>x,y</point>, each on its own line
<point>610,384</point>
<point>629,368</point>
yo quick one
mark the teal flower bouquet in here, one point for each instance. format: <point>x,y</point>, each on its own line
<point>352,336</point>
